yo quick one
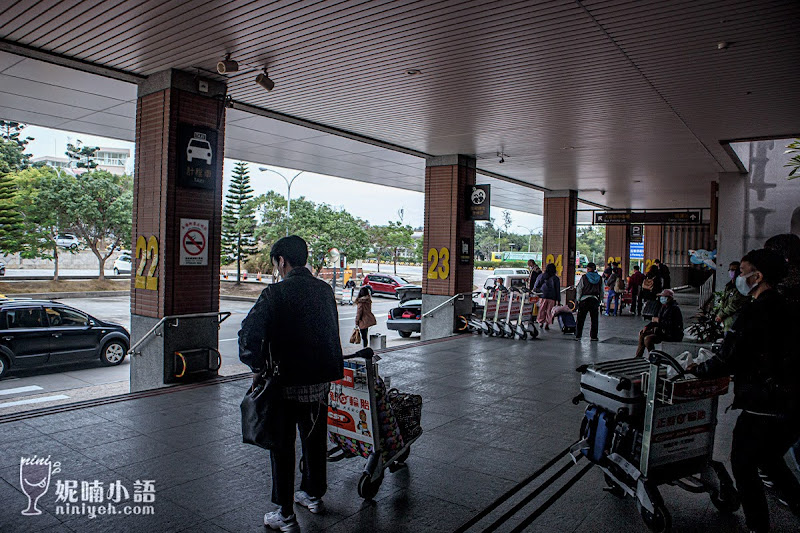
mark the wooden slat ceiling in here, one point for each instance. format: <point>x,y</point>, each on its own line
<point>630,97</point>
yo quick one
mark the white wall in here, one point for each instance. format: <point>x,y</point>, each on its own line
<point>755,206</point>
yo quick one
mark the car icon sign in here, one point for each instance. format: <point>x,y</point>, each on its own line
<point>198,149</point>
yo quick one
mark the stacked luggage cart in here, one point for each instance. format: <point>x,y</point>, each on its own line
<point>365,420</point>
<point>644,430</point>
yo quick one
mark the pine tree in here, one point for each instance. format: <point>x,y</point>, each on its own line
<point>238,220</point>
<point>11,220</point>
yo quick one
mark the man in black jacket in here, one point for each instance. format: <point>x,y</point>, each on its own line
<point>667,326</point>
<point>758,351</point>
<point>296,323</point>
<point>663,272</point>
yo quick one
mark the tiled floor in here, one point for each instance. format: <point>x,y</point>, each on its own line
<point>495,410</point>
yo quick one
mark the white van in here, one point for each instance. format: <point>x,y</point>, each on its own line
<point>510,281</point>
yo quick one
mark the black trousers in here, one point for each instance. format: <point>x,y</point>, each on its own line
<point>311,419</point>
<point>364,338</point>
<point>761,442</point>
<point>636,300</point>
<point>591,306</point>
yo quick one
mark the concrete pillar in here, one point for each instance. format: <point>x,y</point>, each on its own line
<point>558,242</point>
<point>732,222</point>
<point>618,245</point>
<point>179,267</point>
<point>653,244</point>
<point>447,267</point>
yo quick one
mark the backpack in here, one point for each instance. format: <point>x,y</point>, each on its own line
<point>619,286</point>
<point>648,284</point>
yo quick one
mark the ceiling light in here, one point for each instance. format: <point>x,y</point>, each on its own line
<point>723,45</point>
<point>413,72</point>
<point>227,66</point>
<point>263,80</point>
<point>502,157</point>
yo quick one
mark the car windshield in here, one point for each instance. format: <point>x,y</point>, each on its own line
<point>200,144</point>
<point>401,279</point>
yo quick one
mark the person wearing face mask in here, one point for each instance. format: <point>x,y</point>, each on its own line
<point>731,301</point>
<point>667,326</point>
<point>758,351</point>
<point>296,323</point>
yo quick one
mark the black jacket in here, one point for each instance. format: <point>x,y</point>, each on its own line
<point>670,322</point>
<point>296,321</point>
<point>758,353</point>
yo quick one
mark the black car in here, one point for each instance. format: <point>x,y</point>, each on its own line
<point>35,333</point>
<point>407,318</point>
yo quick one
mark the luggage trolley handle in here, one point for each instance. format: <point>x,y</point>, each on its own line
<point>657,357</point>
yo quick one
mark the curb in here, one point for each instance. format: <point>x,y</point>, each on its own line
<point>239,298</point>
<point>60,295</point>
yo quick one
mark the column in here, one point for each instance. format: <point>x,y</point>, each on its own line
<point>653,244</point>
<point>448,243</point>
<point>618,245</point>
<point>177,221</point>
<point>558,242</point>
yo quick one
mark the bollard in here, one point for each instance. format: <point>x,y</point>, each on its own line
<point>377,341</point>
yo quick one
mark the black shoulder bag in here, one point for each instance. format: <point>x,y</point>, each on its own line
<point>263,410</point>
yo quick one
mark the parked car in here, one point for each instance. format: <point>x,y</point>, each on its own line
<point>2,268</point>
<point>379,283</point>
<point>407,317</point>
<point>504,271</point>
<point>123,265</point>
<point>509,281</point>
<point>36,333</point>
<point>67,240</point>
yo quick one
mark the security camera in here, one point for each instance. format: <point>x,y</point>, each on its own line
<point>228,65</point>
<point>603,192</point>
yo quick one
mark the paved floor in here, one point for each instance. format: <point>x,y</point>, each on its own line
<point>495,410</point>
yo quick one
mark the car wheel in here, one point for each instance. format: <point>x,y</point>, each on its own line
<point>3,366</point>
<point>116,272</point>
<point>404,334</point>
<point>73,246</point>
<point>113,353</point>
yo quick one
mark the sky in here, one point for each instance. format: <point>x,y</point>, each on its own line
<point>377,204</point>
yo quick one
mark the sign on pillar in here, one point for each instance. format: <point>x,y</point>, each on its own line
<point>194,242</point>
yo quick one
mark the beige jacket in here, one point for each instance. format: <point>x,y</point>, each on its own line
<point>364,316</point>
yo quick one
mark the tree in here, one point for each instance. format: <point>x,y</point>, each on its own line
<point>378,242</point>
<point>398,237</point>
<point>12,151</point>
<point>12,231</point>
<point>83,156</point>
<point>99,209</point>
<point>591,241</point>
<point>44,207</point>
<point>239,220</point>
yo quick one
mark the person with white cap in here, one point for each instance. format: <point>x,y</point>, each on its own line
<point>666,326</point>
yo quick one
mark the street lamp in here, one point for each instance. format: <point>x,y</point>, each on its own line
<point>530,234</point>
<point>288,193</point>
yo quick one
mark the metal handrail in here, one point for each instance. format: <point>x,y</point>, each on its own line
<point>459,295</point>
<point>176,318</point>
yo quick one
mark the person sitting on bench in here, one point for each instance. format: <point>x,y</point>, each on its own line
<point>666,326</point>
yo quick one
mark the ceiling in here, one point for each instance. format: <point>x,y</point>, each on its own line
<point>631,98</point>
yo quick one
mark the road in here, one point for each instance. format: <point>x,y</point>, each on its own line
<point>31,388</point>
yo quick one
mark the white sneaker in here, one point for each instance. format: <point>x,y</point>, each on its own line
<point>314,505</point>
<point>287,524</point>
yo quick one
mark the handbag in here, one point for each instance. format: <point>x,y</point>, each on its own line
<point>263,410</point>
<point>648,284</point>
<point>355,338</point>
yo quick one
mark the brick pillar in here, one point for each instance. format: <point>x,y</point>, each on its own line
<point>653,244</point>
<point>161,200</point>
<point>618,245</point>
<point>558,242</point>
<point>443,272</point>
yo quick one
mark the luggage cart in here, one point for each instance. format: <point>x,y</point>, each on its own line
<point>669,442</point>
<point>356,428</point>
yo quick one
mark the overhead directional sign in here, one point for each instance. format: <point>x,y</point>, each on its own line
<point>647,217</point>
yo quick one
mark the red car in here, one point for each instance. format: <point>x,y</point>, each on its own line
<point>379,283</point>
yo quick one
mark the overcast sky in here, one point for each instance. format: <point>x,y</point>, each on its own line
<point>376,203</point>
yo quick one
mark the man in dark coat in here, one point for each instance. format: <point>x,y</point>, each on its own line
<point>296,324</point>
<point>663,272</point>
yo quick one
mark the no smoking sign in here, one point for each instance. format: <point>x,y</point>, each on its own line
<point>194,242</point>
